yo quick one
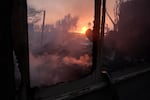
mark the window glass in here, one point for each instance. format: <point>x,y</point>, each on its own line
<point>59,49</point>
<point>127,34</point>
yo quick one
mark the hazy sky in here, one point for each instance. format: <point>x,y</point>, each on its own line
<point>57,9</point>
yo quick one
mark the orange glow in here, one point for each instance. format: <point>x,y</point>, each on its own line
<point>83,30</point>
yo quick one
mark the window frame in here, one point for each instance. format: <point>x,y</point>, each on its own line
<point>85,84</point>
<point>75,88</point>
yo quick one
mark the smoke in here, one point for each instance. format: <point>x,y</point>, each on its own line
<point>83,60</point>
<point>67,23</point>
<point>52,68</point>
<point>60,55</point>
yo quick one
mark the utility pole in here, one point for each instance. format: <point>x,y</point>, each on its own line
<point>102,30</point>
<point>42,35</point>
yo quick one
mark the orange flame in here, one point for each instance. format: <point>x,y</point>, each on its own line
<point>83,30</point>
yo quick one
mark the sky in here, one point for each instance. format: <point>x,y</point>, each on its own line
<point>84,9</point>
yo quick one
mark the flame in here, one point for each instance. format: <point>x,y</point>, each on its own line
<point>83,30</point>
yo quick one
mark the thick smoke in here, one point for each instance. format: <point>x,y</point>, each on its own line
<point>84,60</point>
<point>60,55</point>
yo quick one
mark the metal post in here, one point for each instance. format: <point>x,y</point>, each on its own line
<point>102,31</point>
<point>43,28</point>
<point>96,35</point>
<point>96,29</point>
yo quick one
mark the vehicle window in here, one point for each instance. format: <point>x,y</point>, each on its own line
<point>59,49</point>
<point>127,38</point>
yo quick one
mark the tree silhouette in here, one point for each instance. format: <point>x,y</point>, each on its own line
<point>34,15</point>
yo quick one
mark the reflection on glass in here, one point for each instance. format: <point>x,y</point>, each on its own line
<point>127,43</point>
<point>59,48</point>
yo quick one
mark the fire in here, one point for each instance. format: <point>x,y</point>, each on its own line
<point>83,30</point>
